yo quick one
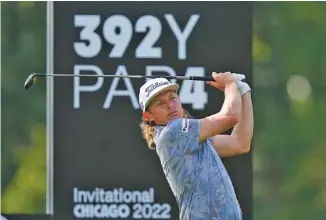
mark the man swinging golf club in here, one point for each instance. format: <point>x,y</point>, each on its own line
<point>190,150</point>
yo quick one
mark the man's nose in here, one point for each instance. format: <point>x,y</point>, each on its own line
<point>170,104</point>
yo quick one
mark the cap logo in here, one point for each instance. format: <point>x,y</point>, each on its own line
<point>142,105</point>
<point>153,86</point>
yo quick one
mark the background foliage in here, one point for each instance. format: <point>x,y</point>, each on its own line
<point>289,93</point>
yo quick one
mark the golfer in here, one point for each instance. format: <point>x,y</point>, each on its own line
<point>190,150</point>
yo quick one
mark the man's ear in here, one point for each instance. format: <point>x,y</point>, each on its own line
<point>147,116</point>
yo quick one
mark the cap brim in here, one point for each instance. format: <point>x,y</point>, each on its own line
<point>174,87</point>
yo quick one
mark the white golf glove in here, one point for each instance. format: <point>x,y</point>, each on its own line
<point>239,76</point>
<point>243,86</point>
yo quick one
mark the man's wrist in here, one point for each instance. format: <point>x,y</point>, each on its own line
<point>232,85</point>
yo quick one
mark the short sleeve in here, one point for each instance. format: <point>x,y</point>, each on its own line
<point>181,136</point>
<point>211,140</point>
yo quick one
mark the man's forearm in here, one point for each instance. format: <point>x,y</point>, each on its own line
<point>232,104</point>
<point>243,130</point>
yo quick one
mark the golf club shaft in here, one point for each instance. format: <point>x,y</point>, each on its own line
<point>200,78</point>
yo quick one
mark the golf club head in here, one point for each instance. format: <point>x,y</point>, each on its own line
<point>30,81</point>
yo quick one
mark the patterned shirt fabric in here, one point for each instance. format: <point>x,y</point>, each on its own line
<point>195,173</point>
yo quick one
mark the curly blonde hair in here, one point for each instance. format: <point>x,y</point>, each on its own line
<point>147,129</point>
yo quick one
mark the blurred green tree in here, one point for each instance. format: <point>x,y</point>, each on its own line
<point>27,189</point>
<point>289,82</point>
<point>23,41</point>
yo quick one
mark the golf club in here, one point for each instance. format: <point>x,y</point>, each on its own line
<point>31,79</point>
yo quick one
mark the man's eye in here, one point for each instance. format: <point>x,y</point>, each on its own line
<point>159,104</point>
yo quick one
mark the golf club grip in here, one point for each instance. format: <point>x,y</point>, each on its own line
<point>202,78</point>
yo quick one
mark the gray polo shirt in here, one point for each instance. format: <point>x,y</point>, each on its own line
<point>196,174</point>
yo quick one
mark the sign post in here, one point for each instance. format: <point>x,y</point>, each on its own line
<point>102,167</point>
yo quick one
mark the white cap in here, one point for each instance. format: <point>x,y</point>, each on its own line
<point>153,87</point>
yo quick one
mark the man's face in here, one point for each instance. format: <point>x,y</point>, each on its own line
<point>164,107</point>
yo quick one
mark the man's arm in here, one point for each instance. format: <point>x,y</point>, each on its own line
<point>240,139</point>
<point>230,113</point>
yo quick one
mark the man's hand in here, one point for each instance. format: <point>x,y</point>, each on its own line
<point>222,80</point>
